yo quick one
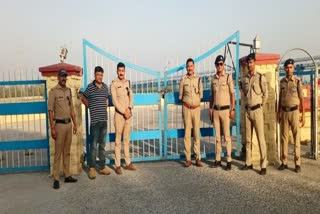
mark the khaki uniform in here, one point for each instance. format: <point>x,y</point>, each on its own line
<point>291,91</point>
<point>255,96</point>
<point>191,93</point>
<point>60,102</point>
<point>122,98</point>
<point>221,90</point>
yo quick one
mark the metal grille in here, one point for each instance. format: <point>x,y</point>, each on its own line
<point>23,123</point>
<point>173,120</point>
<point>145,138</point>
<point>146,128</point>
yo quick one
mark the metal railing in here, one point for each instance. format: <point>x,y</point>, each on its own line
<point>155,118</point>
<point>23,123</point>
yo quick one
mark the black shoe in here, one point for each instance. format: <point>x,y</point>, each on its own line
<point>56,184</point>
<point>283,167</point>
<point>70,180</point>
<point>246,167</point>
<point>228,166</point>
<point>297,169</point>
<point>263,171</point>
<point>216,164</point>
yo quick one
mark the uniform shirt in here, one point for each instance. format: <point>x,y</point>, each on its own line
<point>60,102</point>
<point>122,95</point>
<point>191,90</point>
<point>291,91</point>
<point>221,89</point>
<point>97,98</point>
<point>255,90</point>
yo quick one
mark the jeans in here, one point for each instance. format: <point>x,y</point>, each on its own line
<point>98,133</point>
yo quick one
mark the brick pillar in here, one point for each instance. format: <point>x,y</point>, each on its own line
<point>266,65</point>
<point>74,81</point>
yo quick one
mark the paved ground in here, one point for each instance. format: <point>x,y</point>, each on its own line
<point>167,187</point>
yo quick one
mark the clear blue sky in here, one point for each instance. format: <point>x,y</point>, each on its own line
<point>32,31</point>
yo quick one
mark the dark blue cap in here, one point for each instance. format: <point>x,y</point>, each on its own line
<point>288,62</point>
<point>62,73</point>
<point>251,56</point>
<point>218,59</point>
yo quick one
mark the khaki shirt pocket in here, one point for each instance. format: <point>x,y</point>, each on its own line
<point>60,99</point>
<point>214,87</point>
<point>186,88</point>
<point>283,91</point>
<point>224,87</point>
<point>293,91</point>
<point>120,91</point>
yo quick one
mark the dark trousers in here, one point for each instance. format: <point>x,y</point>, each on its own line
<point>98,132</point>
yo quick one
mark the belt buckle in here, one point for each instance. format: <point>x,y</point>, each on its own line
<point>191,107</point>
<point>288,109</point>
<point>249,108</point>
<point>65,120</point>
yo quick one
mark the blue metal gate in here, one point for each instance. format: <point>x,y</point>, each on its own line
<point>146,125</point>
<point>154,138</point>
<point>24,140</point>
<point>173,124</point>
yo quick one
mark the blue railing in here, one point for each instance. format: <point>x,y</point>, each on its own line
<point>154,98</point>
<point>173,98</point>
<point>140,99</point>
<point>24,108</point>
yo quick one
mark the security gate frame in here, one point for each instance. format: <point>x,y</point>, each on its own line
<point>145,99</point>
<point>172,98</point>
<point>140,99</point>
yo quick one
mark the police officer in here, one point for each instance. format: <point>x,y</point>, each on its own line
<point>222,104</point>
<point>191,93</point>
<point>290,99</point>
<point>122,98</point>
<point>255,95</point>
<point>61,111</point>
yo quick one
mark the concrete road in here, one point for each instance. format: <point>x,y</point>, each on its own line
<point>168,187</point>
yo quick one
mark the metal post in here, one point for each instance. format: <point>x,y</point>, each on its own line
<point>47,124</point>
<point>237,94</point>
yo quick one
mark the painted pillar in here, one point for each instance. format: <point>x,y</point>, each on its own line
<point>74,82</point>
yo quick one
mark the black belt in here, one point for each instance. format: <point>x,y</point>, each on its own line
<point>288,109</point>
<point>119,112</point>
<point>252,108</point>
<point>63,121</point>
<point>220,108</point>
